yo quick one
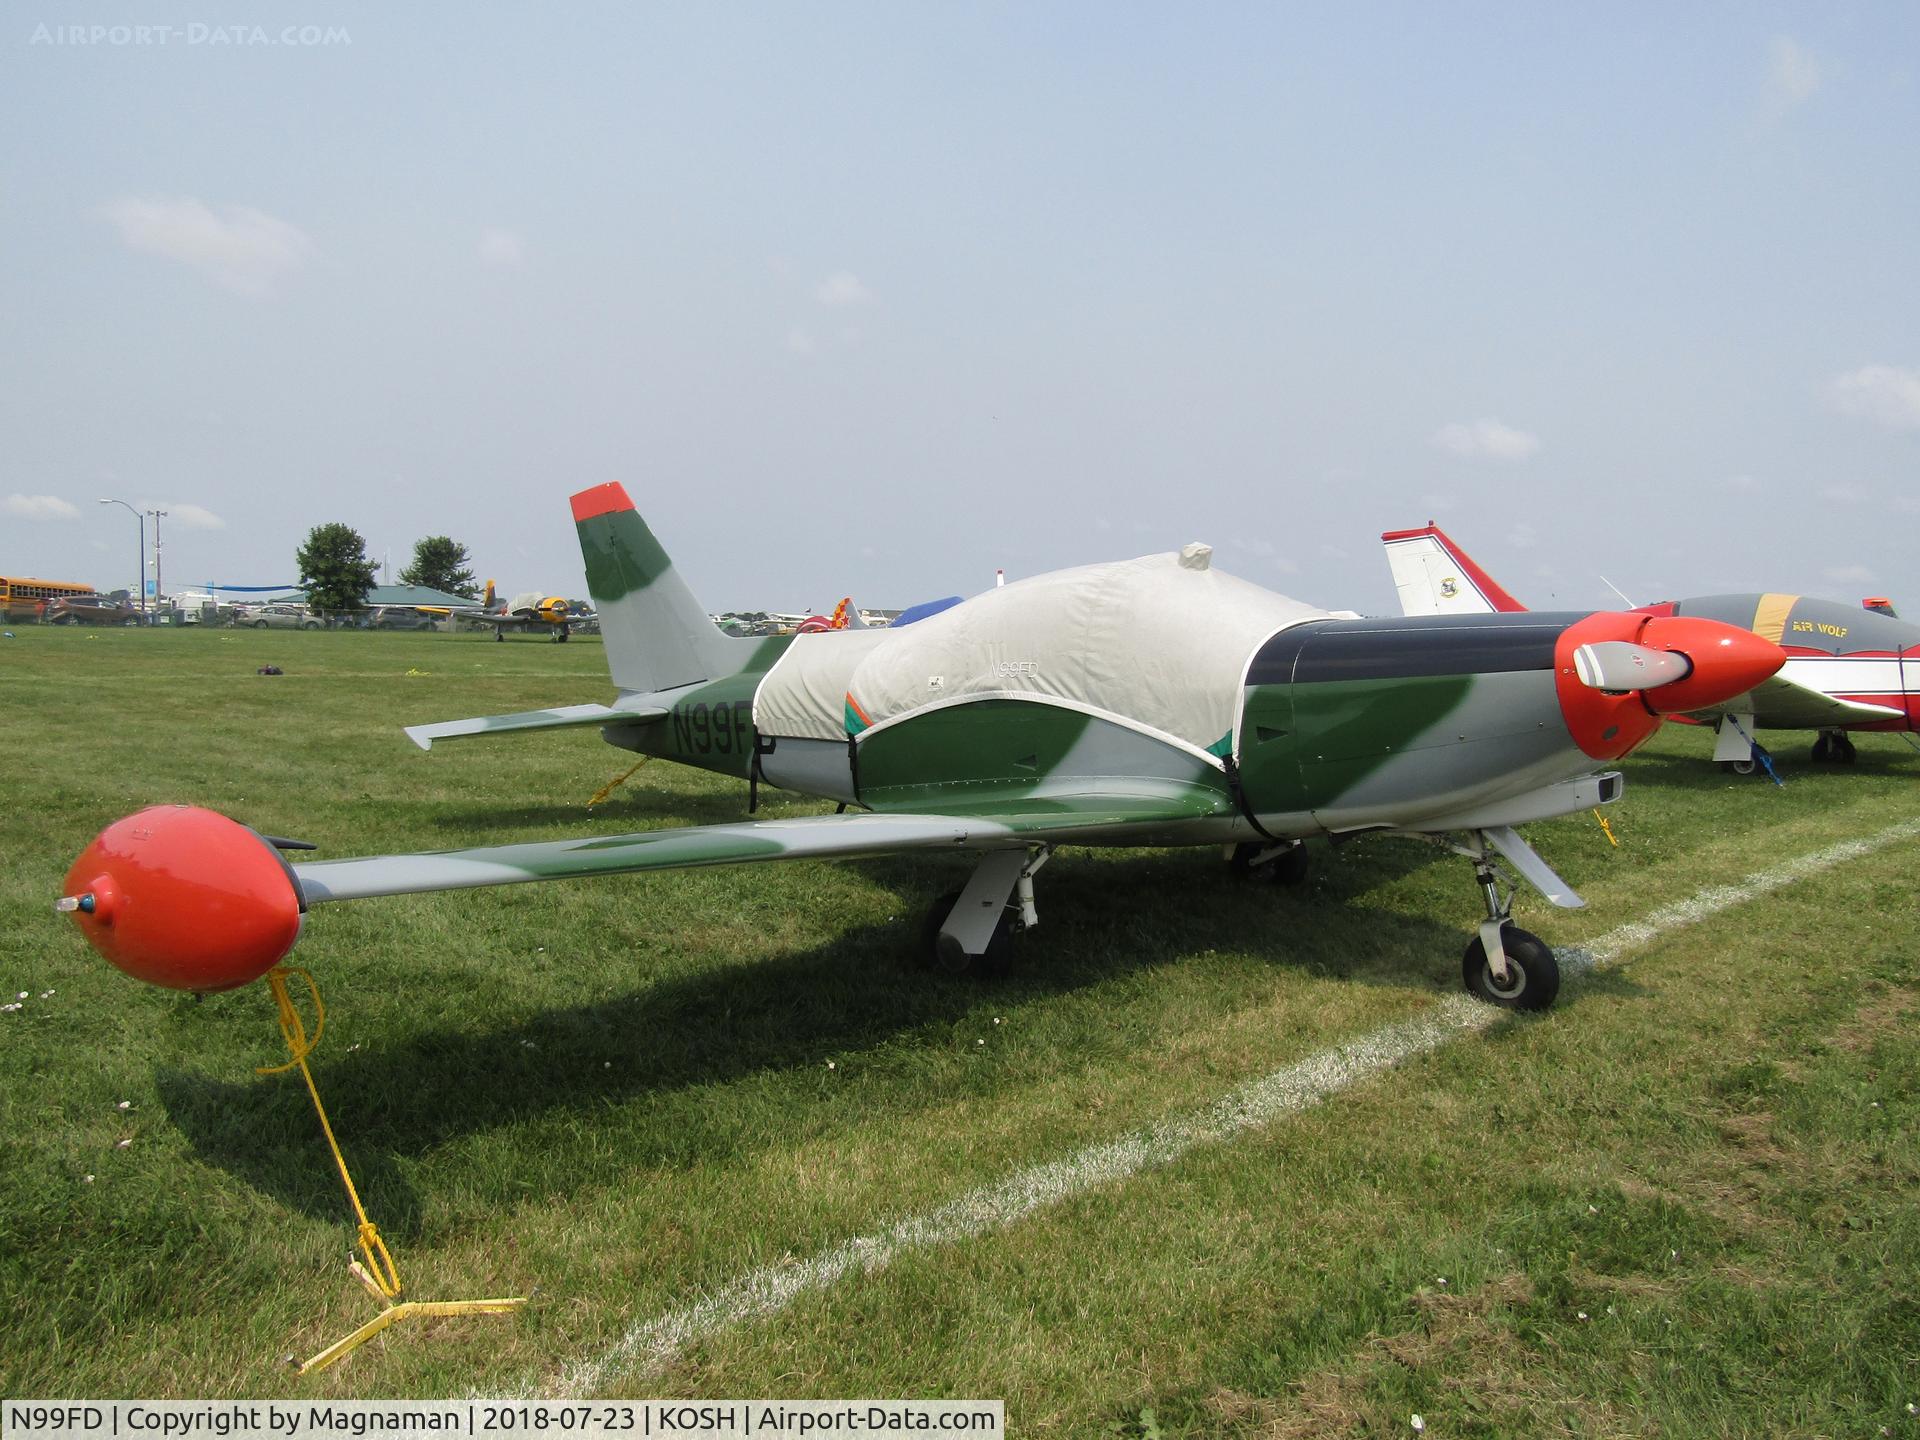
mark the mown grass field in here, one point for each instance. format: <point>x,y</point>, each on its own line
<point>1680,1203</point>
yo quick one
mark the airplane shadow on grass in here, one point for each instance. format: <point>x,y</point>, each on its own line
<point>1681,772</point>
<point>860,993</point>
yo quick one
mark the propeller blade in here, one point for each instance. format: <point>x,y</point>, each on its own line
<point>1619,665</point>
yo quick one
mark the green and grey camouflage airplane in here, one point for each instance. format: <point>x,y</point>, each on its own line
<point>1146,702</point>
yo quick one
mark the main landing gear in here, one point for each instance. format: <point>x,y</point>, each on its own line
<point>1834,747</point>
<point>970,931</point>
<point>1505,965</point>
<point>1284,862</point>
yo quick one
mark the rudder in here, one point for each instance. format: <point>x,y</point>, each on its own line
<point>1434,576</point>
<point>657,636</point>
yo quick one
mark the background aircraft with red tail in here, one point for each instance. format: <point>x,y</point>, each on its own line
<point>1848,668</point>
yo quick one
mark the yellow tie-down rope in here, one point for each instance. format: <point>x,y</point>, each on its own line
<point>614,784</point>
<point>379,1274</point>
<point>1606,827</point>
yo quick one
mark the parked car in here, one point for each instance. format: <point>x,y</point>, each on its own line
<point>399,617</point>
<point>89,610</point>
<point>282,617</point>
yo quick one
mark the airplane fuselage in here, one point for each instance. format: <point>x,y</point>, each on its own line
<point>1841,650</point>
<point>1338,725</point>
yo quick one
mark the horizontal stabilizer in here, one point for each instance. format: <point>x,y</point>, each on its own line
<point>561,717</point>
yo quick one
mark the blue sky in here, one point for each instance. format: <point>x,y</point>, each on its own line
<point>880,298</point>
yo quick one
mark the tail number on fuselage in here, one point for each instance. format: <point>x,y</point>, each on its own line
<point>722,729</point>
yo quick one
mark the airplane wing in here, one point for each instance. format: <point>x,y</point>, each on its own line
<point>1783,704</point>
<point>823,837</point>
<point>559,718</point>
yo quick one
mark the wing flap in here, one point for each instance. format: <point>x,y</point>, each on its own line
<point>561,717</point>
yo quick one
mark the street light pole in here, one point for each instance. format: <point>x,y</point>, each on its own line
<point>159,589</point>
<point>140,571</point>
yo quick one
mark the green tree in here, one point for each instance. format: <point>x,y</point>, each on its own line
<point>334,568</point>
<point>440,563</point>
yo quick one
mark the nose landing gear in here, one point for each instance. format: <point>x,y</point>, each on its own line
<point>1503,964</point>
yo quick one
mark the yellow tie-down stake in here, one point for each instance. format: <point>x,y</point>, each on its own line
<point>379,1274</point>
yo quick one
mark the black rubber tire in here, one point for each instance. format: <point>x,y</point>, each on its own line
<point>499,634</point>
<point>259,624</point>
<point>1843,751</point>
<point>950,959</point>
<point>1744,767</point>
<point>1288,869</point>
<point>310,625</point>
<point>1533,974</point>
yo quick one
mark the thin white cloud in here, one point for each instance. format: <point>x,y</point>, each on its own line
<point>191,517</point>
<point>799,342</point>
<point>1850,575</point>
<point>1523,536</point>
<point>1794,74</point>
<point>38,507</point>
<point>501,247</point>
<point>843,288</point>
<point>236,247</point>
<point>1840,492</point>
<point>1485,440</point>
<point>1883,394</point>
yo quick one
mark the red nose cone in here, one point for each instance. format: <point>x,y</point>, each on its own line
<point>1727,661</point>
<point>185,898</point>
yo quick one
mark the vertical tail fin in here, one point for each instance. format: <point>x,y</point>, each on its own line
<point>1436,577</point>
<point>658,637</point>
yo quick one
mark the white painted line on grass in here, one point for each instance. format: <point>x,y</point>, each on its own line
<point>759,1294</point>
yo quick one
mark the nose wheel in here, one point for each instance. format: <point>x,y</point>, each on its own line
<point>1532,978</point>
<point>1505,965</point>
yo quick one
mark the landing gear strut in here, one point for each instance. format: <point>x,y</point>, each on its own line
<point>1505,965</point>
<point>970,931</point>
<point>1834,747</point>
<point>1283,862</point>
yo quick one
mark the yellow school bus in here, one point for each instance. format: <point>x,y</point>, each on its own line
<point>22,598</point>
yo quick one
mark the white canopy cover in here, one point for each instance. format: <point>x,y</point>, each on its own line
<point>1160,643</point>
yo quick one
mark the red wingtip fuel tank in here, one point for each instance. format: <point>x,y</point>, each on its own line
<point>184,898</point>
<point>1725,661</point>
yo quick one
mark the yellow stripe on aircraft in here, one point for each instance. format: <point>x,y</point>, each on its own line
<point>1770,616</point>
